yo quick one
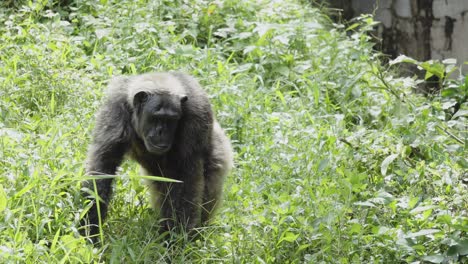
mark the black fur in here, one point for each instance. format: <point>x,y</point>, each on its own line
<point>163,121</point>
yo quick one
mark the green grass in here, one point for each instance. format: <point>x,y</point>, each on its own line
<point>337,159</point>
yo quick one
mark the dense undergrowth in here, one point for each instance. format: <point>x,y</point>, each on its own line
<point>338,160</point>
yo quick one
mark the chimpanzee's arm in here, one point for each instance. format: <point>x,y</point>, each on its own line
<point>111,142</point>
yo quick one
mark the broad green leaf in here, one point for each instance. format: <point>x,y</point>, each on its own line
<point>368,204</point>
<point>434,68</point>
<point>449,92</point>
<point>288,237</point>
<point>402,58</point>
<point>283,70</point>
<point>422,209</point>
<point>463,247</point>
<point>423,232</point>
<point>434,258</point>
<point>387,161</point>
<point>448,104</point>
<point>450,61</point>
<point>428,75</point>
<point>452,251</point>
<point>461,112</point>
<point>323,164</point>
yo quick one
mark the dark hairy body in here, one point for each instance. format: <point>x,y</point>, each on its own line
<point>164,122</point>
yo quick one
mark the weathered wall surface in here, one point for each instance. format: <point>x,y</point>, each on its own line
<point>422,29</point>
<point>452,23</point>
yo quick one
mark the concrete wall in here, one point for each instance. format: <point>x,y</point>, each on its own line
<point>422,29</point>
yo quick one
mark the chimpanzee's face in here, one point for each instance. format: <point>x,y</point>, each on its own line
<point>157,118</point>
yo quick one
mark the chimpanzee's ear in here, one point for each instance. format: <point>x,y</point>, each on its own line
<point>183,99</point>
<point>139,99</point>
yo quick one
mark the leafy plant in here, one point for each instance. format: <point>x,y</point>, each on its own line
<point>338,159</point>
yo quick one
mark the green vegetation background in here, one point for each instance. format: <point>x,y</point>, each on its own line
<point>338,160</point>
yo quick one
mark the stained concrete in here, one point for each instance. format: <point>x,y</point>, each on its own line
<point>422,29</point>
